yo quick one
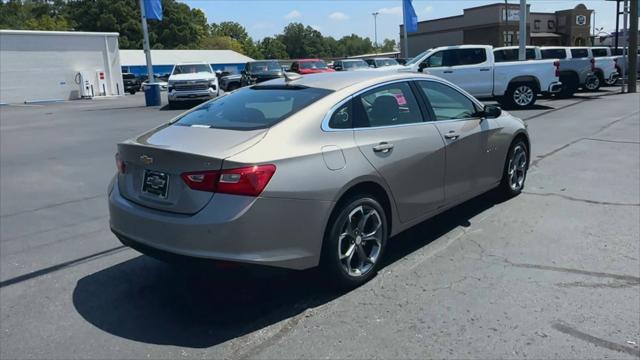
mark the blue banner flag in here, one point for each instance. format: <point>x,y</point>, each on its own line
<point>410,17</point>
<point>153,9</point>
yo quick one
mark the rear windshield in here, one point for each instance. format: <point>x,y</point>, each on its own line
<point>128,76</point>
<point>251,108</point>
<point>313,64</point>
<point>554,54</point>
<point>513,55</point>
<point>191,69</point>
<point>579,53</point>
<point>599,52</point>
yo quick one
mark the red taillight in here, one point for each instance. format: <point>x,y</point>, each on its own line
<point>120,165</point>
<point>249,181</point>
<point>557,65</point>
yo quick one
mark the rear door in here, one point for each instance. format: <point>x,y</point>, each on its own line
<point>391,132</point>
<point>468,68</point>
<point>470,141</point>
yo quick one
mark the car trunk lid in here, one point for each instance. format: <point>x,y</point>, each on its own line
<point>155,161</point>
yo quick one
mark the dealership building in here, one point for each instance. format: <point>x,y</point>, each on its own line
<point>38,66</point>
<point>134,61</point>
<point>498,25</point>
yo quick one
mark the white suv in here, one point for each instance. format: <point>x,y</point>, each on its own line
<point>192,81</point>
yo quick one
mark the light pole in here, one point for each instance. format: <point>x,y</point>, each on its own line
<point>375,28</point>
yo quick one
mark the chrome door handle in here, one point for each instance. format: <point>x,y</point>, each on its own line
<point>452,135</point>
<point>448,71</point>
<point>485,69</point>
<point>383,147</point>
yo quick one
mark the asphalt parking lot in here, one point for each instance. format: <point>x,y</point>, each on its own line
<point>553,273</point>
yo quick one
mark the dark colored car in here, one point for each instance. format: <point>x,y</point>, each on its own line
<point>258,71</point>
<point>131,83</point>
<point>310,66</point>
<point>403,61</point>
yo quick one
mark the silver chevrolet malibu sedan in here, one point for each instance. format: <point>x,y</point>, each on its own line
<point>315,170</point>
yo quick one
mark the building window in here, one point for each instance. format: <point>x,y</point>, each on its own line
<point>536,25</point>
<point>510,38</point>
<point>551,24</point>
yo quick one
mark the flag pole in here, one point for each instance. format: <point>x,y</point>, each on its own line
<point>146,46</point>
<point>404,30</point>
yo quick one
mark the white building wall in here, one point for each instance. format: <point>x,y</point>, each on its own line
<point>42,65</point>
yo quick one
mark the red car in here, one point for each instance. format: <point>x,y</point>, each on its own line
<point>310,66</point>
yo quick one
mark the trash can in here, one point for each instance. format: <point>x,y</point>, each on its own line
<point>152,94</point>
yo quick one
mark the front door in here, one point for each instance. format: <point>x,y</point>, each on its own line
<point>408,152</point>
<point>468,68</point>
<point>466,136</point>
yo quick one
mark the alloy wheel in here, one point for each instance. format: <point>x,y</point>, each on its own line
<point>360,240</point>
<point>523,95</point>
<point>517,168</point>
<point>593,83</point>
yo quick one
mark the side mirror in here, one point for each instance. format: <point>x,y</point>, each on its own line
<point>422,66</point>
<point>491,112</point>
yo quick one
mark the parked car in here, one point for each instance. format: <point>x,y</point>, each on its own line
<point>131,83</point>
<point>574,72</point>
<point>381,62</point>
<point>163,85</point>
<point>473,68</point>
<point>604,68</point>
<point>512,53</point>
<point>403,61</point>
<point>621,66</point>
<point>310,66</point>
<point>258,71</point>
<point>368,155</point>
<point>192,81</point>
<point>230,82</point>
<point>350,65</point>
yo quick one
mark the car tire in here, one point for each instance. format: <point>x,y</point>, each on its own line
<point>611,81</point>
<point>521,95</point>
<point>515,169</point>
<point>132,91</point>
<point>593,83</point>
<point>352,248</point>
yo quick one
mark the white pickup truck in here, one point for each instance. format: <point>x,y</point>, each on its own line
<point>192,81</point>
<point>472,67</point>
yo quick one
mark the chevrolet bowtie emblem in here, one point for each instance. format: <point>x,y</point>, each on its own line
<point>147,160</point>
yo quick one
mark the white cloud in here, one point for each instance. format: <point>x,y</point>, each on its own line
<point>338,16</point>
<point>426,10</point>
<point>396,10</point>
<point>294,14</point>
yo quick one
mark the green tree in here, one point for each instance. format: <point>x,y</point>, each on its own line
<point>273,48</point>
<point>231,29</point>
<point>220,43</point>
<point>388,45</point>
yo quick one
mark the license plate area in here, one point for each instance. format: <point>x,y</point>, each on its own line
<point>155,183</point>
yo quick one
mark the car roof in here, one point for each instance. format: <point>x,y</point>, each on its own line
<point>300,60</point>
<point>343,79</point>
<point>193,63</point>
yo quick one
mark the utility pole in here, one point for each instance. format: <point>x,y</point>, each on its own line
<point>146,46</point>
<point>375,28</point>
<point>625,45</point>
<point>522,55</point>
<point>633,47</point>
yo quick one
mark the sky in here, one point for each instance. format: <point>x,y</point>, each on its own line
<point>338,18</point>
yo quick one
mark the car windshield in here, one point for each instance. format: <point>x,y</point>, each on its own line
<point>355,64</point>
<point>128,76</point>
<point>265,66</point>
<point>417,58</point>
<point>251,108</point>
<point>191,69</point>
<point>319,64</point>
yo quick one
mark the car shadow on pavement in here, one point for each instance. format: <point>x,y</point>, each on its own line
<point>199,306</point>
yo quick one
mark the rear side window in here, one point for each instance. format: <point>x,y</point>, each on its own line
<point>252,108</point>
<point>599,52</point>
<point>513,55</point>
<point>447,103</point>
<point>469,57</point>
<point>389,105</point>
<point>554,54</point>
<point>579,53</point>
<point>342,117</point>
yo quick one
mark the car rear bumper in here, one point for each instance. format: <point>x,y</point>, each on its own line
<point>555,87</point>
<point>276,232</point>
<point>192,95</point>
